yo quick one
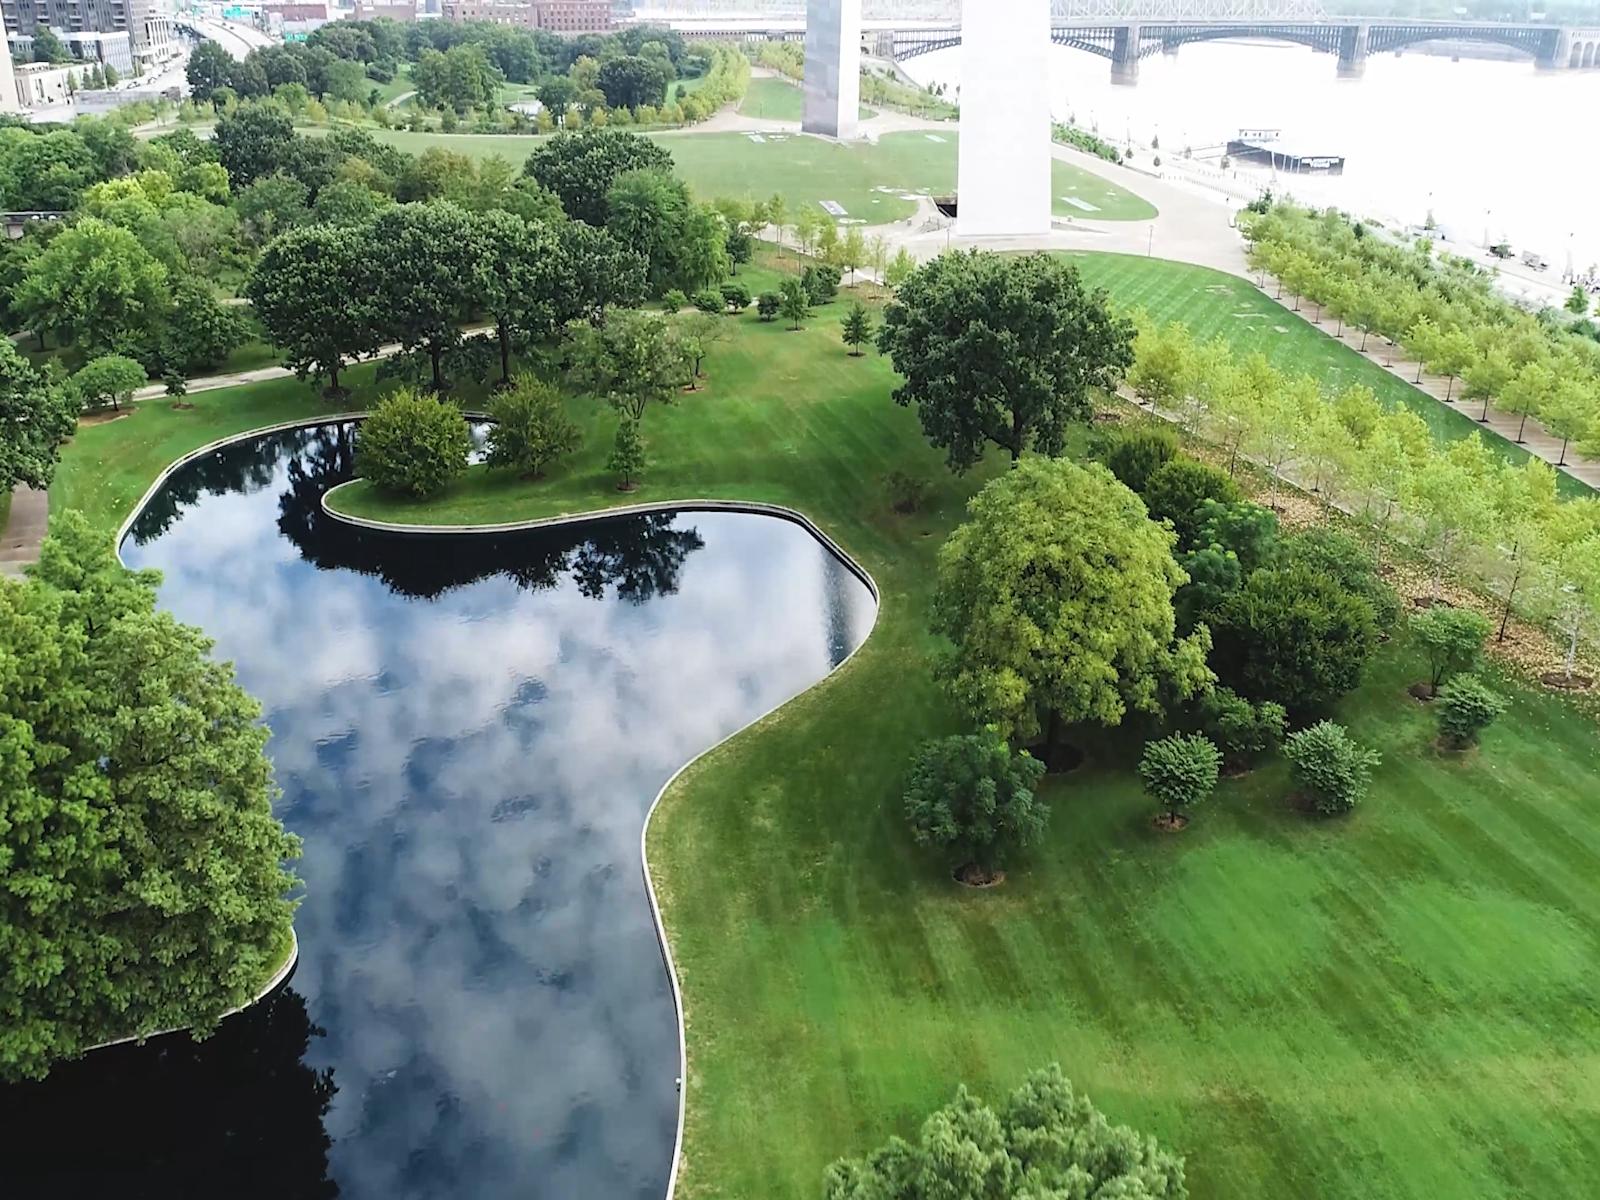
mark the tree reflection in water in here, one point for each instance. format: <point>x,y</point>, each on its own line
<point>238,1115</point>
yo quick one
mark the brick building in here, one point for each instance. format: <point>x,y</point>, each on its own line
<point>558,16</point>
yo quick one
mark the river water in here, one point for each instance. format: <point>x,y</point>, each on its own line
<point>1490,146</point>
<point>468,732</point>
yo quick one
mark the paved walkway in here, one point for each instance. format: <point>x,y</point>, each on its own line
<point>19,544</point>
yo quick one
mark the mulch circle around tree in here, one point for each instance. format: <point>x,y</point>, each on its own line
<point>1561,681</point>
<point>973,876</point>
<point>1422,691</point>
<point>181,406</point>
<point>104,418</point>
<point>1058,760</point>
<point>627,487</point>
<point>1170,822</point>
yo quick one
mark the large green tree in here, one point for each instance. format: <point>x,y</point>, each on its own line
<point>971,795</point>
<point>630,362</point>
<point>684,244</point>
<point>253,141</point>
<point>522,281</point>
<point>1056,596</point>
<point>142,884</point>
<point>426,263</point>
<point>1002,350</point>
<point>36,416</point>
<point>1046,1141</point>
<point>311,291</point>
<point>581,167</point>
<point>96,288</point>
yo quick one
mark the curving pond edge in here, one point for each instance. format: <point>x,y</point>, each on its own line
<point>757,507</point>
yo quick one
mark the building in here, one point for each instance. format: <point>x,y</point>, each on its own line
<point>107,49</point>
<point>45,85</point>
<point>395,12</point>
<point>151,34</point>
<point>9,100</point>
<point>558,16</point>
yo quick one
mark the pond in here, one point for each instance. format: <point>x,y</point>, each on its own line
<point>468,732</point>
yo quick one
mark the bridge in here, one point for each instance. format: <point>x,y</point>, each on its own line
<point>1128,31</point>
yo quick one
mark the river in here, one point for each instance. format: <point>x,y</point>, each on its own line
<point>1488,146</point>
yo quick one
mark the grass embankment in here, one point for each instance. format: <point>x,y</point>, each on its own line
<point>776,99</point>
<point>867,180</point>
<point>1400,1004</point>
<point>1211,303</point>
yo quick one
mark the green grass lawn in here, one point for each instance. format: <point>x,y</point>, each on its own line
<point>1212,303</point>
<point>1400,1005</point>
<point>869,181</point>
<point>776,99</point>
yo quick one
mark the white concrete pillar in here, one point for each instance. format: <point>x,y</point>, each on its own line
<point>833,67</point>
<point>1004,188</point>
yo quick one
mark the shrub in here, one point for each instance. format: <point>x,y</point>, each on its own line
<point>531,427</point>
<point>1176,491</point>
<point>972,796</point>
<point>1179,771</point>
<point>821,282</point>
<point>709,300</point>
<point>1248,529</point>
<point>735,297</point>
<point>768,305</point>
<point>1243,730</point>
<point>1134,455</point>
<point>109,380</point>
<point>1292,636</point>
<point>1214,575</point>
<point>412,444</point>
<point>1341,558</point>
<point>1452,638</point>
<point>1466,708</point>
<point>1329,768</point>
<point>907,492</point>
<point>1045,1134</point>
<point>674,300</point>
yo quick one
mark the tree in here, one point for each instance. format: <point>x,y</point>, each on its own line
<point>521,284</point>
<point>1001,350</point>
<point>1247,530</point>
<point>144,885</point>
<point>1452,639</point>
<point>1056,597</point>
<point>1451,353</point>
<point>412,444</point>
<point>709,301</point>
<point>1485,379</point>
<point>426,263</point>
<point>853,251</point>
<point>1337,557</point>
<point>973,797</point>
<point>310,292</point>
<point>1046,1140</point>
<point>36,416</point>
<point>457,80</point>
<point>735,297</point>
<point>1178,491</point>
<point>857,329</point>
<point>684,244</point>
<point>794,302</point>
<point>1466,708</point>
<point>1569,412</point>
<point>581,168</point>
<point>96,288</point>
<point>1164,363</point>
<point>47,47</point>
<point>253,141</point>
<point>199,332</point>
<point>1244,731</point>
<point>627,455</point>
<point>1293,636</point>
<point>1526,393</point>
<point>630,363</point>
<point>557,94</point>
<point>1134,454</point>
<point>600,272</point>
<point>821,282</point>
<point>1179,772</point>
<point>1447,503</point>
<point>1331,771</point>
<point>769,305</point>
<point>697,334</point>
<point>45,171</point>
<point>901,267</point>
<point>109,380</point>
<point>531,428</point>
<point>270,205</point>
<point>631,81</point>
<point>1578,301</point>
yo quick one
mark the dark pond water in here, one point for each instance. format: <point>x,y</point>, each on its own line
<point>468,733</point>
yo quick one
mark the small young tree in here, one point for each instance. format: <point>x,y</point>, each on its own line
<point>697,334</point>
<point>972,796</point>
<point>1466,708</point>
<point>794,302</point>
<point>768,305</point>
<point>821,282</point>
<point>900,268</point>
<point>627,455</point>
<point>412,444</point>
<point>674,300</point>
<point>1244,731</point>
<point>631,362</point>
<point>107,381</point>
<point>1452,638</point>
<point>1179,772</point>
<point>531,428</point>
<point>857,329</point>
<point>735,297</point>
<point>1329,768</point>
<point>709,300</point>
